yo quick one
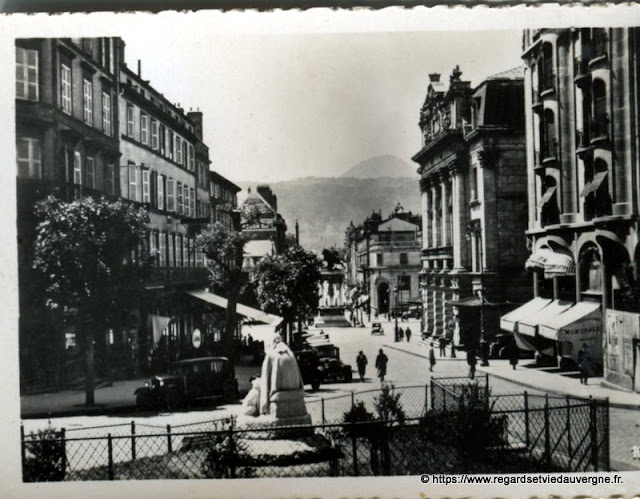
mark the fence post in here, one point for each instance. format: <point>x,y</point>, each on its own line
<point>232,454</point>
<point>169,448</point>
<point>547,435</point>
<point>355,453</point>
<point>322,409</point>
<point>23,446</point>
<point>527,436</point>
<point>133,440</point>
<point>110,456</point>
<point>486,386</point>
<point>63,442</point>
<point>426,398</point>
<point>594,433</point>
<point>605,435</point>
<point>432,394</point>
<point>569,449</point>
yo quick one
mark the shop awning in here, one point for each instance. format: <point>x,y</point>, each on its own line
<point>558,264</point>
<point>554,264</point>
<point>594,184</point>
<point>508,322</point>
<point>244,310</point>
<point>547,196</point>
<point>529,325</point>
<point>578,323</point>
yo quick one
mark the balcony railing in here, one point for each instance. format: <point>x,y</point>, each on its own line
<point>582,140</point>
<point>581,72</point>
<point>549,151</point>
<point>600,128</point>
<point>600,44</point>
<point>547,80</point>
<point>162,276</point>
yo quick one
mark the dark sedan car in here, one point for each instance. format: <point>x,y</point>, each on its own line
<point>189,381</point>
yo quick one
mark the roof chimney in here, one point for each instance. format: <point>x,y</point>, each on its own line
<point>434,77</point>
<point>139,68</point>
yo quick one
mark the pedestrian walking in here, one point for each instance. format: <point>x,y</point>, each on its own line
<point>361,362</point>
<point>442,343</point>
<point>407,333</point>
<point>400,334</point>
<point>514,354</point>
<point>381,365</point>
<point>472,360</point>
<point>432,358</point>
<point>585,363</point>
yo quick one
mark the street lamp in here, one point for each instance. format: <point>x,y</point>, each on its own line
<point>396,291</point>
<point>474,230</point>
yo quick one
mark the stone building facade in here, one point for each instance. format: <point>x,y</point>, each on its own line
<point>384,256</point>
<point>86,125</point>
<point>473,187</point>
<point>582,107</point>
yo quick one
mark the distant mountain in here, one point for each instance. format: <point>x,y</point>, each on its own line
<point>324,207</point>
<point>381,166</point>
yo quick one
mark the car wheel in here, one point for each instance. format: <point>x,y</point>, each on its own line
<point>229,393</point>
<point>141,401</point>
<point>315,385</point>
<point>348,376</point>
<point>172,399</point>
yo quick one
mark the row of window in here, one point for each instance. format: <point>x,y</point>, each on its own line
<point>85,171</point>
<point>163,193</point>
<point>154,134</point>
<point>175,250</point>
<point>403,259</point>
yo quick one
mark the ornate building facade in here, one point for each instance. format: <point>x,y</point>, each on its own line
<point>383,259</point>
<point>473,187</point>
<point>582,107</point>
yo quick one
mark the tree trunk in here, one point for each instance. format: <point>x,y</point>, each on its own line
<point>230,322</point>
<point>89,385</point>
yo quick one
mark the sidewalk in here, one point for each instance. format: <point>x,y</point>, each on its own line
<point>538,378</point>
<point>117,398</point>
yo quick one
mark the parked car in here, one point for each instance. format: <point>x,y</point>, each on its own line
<point>376,328</point>
<point>332,368</point>
<point>188,381</point>
<point>499,347</point>
<point>309,365</point>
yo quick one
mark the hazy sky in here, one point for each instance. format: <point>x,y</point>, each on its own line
<point>277,107</point>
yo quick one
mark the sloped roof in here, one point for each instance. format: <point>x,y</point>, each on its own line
<point>255,198</point>
<point>397,225</point>
<point>516,73</point>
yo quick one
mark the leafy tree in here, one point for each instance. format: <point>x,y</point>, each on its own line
<point>287,284</point>
<point>94,259</point>
<point>224,249</point>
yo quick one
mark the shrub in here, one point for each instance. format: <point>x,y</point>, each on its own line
<point>388,405</point>
<point>44,456</point>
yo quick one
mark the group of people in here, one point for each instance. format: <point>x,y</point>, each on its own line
<point>402,334</point>
<point>381,364</point>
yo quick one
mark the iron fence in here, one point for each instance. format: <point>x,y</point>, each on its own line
<point>454,425</point>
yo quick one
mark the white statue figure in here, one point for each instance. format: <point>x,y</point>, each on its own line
<point>281,386</point>
<point>251,403</point>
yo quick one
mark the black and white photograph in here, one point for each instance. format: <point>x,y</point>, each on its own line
<point>397,247</point>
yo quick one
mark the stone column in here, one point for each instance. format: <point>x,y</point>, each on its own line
<point>459,219</point>
<point>444,181</point>
<point>434,222</point>
<point>426,222</point>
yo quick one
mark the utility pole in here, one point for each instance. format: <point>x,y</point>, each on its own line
<point>297,234</point>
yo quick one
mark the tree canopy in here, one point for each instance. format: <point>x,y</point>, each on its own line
<point>287,284</point>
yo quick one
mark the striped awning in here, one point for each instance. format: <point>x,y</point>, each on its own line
<point>552,263</point>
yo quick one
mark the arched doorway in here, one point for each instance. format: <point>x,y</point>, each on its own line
<point>383,298</point>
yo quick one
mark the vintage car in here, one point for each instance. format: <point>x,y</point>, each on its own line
<point>331,367</point>
<point>309,364</point>
<point>188,381</point>
<point>376,328</point>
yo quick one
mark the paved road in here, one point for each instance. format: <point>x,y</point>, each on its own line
<point>407,365</point>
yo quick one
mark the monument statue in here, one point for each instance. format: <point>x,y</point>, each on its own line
<point>280,389</point>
